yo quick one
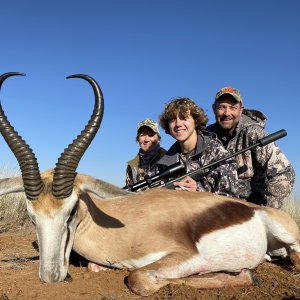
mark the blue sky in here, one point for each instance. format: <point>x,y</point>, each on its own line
<point>142,53</point>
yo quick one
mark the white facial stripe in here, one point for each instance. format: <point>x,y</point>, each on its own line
<point>55,233</point>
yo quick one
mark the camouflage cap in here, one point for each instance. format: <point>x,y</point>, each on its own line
<point>149,123</point>
<point>235,93</point>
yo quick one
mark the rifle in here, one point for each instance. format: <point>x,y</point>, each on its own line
<point>157,180</point>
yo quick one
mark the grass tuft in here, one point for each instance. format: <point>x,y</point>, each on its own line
<point>292,207</point>
<point>13,212</point>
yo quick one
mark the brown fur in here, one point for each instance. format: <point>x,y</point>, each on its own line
<point>46,203</point>
<point>218,217</point>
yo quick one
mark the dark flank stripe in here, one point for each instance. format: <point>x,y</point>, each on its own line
<point>218,217</point>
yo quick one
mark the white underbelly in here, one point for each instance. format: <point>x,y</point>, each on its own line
<point>233,248</point>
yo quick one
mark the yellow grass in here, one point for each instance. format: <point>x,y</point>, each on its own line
<point>292,207</point>
<point>13,212</point>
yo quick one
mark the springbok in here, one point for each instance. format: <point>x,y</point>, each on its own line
<point>163,236</point>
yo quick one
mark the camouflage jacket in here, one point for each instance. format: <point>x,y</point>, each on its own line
<point>266,177</point>
<point>137,168</point>
<point>221,179</point>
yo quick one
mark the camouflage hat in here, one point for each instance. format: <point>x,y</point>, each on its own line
<point>149,123</point>
<point>235,93</point>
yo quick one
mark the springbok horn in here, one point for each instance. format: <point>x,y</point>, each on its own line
<point>64,172</point>
<point>33,184</point>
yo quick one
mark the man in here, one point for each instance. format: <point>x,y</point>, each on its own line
<point>185,122</point>
<point>144,163</point>
<point>266,177</point>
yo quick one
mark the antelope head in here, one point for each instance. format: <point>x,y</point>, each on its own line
<point>52,197</point>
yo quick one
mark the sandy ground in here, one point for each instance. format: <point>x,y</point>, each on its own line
<point>19,278</point>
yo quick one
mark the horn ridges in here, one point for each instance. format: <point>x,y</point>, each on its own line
<point>32,181</point>
<point>65,170</point>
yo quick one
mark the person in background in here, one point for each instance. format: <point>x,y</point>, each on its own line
<point>194,148</point>
<point>266,177</point>
<point>144,163</point>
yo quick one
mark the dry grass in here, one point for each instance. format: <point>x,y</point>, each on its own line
<point>13,213</point>
<point>292,207</point>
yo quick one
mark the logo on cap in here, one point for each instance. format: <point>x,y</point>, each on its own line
<point>235,93</point>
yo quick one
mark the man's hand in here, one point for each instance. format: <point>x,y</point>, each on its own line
<point>186,184</point>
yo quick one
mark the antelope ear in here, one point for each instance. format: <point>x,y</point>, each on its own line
<point>102,189</point>
<point>11,185</point>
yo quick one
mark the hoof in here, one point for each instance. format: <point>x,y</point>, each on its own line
<point>256,280</point>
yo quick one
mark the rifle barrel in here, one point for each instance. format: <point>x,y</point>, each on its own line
<point>168,172</point>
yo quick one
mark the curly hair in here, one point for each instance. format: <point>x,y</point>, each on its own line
<point>183,107</point>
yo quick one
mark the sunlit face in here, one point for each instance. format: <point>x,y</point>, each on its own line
<point>227,112</point>
<point>147,139</point>
<point>182,129</point>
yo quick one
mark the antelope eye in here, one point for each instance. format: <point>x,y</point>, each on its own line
<point>73,212</point>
